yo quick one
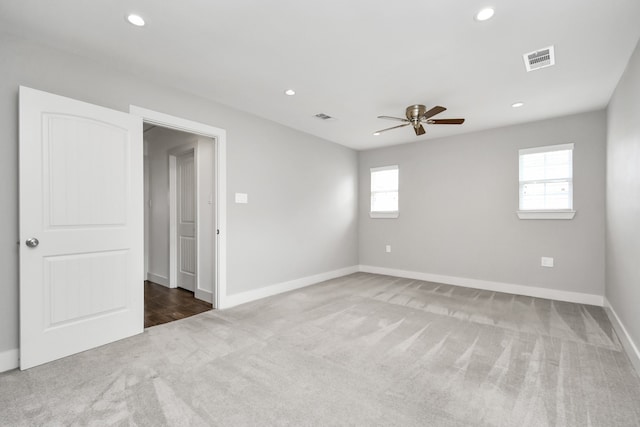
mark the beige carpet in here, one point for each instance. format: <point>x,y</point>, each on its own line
<point>364,350</point>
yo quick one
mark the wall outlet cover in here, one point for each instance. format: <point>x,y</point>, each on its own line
<point>546,261</point>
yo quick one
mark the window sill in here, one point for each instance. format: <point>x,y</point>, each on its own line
<point>383,214</point>
<point>564,214</point>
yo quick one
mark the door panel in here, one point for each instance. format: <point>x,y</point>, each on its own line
<point>84,286</point>
<point>81,197</point>
<point>186,186</point>
<point>85,164</point>
<point>187,255</point>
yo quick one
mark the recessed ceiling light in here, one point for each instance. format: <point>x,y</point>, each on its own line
<point>135,20</point>
<point>517,104</point>
<point>485,14</point>
<point>290,92</point>
<point>376,133</point>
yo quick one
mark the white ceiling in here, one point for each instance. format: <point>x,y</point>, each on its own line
<point>355,59</point>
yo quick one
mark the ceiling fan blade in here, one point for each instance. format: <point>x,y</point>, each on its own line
<point>395,127</point>
<point>398,119</point>
<point>445,121</point>
<point>419,130</point>
<point>435,110</point>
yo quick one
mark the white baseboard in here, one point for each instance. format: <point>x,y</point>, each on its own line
<point>532,291</point>
<point>627,342</point>
<point>278,288</point>
<point>206,296</point>
<point>160,280</point>
<point>9,359</point>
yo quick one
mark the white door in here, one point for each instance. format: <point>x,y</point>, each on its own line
<point>81,226</point>
<point>186,216</point>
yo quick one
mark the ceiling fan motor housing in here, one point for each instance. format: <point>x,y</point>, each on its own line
<point>415,112</point>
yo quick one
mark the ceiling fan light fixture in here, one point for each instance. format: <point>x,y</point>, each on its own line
<point>517,104</point>
<point>485,14</point>
<point>136,20</point>
<point>289,92</point>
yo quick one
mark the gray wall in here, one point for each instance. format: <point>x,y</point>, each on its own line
<point>458,202</point>
<point>623,199</point>
<point>302,211</point>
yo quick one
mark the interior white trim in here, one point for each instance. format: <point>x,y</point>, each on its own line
<point>220,136</point>
<point>546,214</point>
<point>627,342</point>
<point>173,250</point>
<point>278,288</point>
<point>546,149</point>
<point>532,291</point>
<point>160,280</point>
<point>383,168</point>
<point>9,359</point>
<point>203,295</point>
<point>384,214</point>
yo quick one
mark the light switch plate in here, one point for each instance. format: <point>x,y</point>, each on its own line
<point>242,198</point>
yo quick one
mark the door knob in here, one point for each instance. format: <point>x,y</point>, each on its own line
<point>32,242</point>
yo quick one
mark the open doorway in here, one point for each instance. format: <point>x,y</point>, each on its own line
<point>180,224</point>
<point>218,260</point>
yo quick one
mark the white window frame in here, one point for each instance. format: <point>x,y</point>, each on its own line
<point>546,213</point>
<point>383,214</point>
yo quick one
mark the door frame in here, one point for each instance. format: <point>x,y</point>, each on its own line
<point>219,137</point>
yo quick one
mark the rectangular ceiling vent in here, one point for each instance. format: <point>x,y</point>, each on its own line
<point>323,116</point>
<point>539,59</point>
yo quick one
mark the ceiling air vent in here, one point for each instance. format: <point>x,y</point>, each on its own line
<point>323,116</point>
<point>539,59</point>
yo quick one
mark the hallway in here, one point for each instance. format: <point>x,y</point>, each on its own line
<point>163,305</point>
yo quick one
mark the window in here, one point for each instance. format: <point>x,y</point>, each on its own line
<point>384,192</point>
<point>546,182</point>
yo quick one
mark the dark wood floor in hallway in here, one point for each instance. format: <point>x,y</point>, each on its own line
<point>163,305</point>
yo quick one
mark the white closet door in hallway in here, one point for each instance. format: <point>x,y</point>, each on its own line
<point>186,216</point>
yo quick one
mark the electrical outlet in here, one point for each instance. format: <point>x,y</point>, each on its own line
<point>546,261</point>
<point>387,248</point>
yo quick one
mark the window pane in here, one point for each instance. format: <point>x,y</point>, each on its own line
<point>557,195</point>
<point>546,179</point>
<point>558,164</point>
<point>532,167</point>
<point>384,201</point>
<point>531,196</point>
<point>385,180</point>
<point>550,165</point>
<point>550,195</point>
